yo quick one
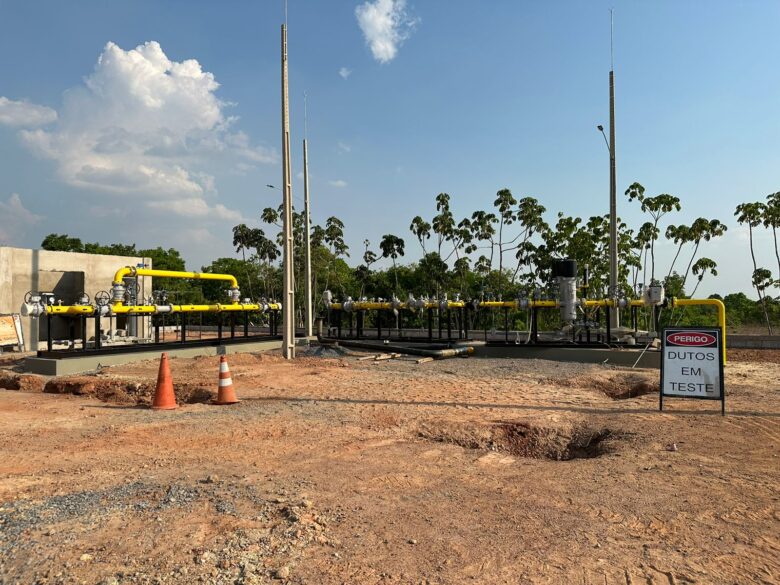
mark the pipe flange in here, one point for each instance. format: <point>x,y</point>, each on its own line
<point>118,291</point>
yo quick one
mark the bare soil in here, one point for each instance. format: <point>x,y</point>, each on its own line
<point>334,470</point>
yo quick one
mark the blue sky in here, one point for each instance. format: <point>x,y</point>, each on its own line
<point>468,98</point>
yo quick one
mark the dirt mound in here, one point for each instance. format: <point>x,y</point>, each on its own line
<point>23,382</point>
<point>123,392</point>
<point>522,439</point>
<point>754,355</point>
<point>618,386</point>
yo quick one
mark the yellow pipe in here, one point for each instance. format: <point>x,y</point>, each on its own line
<point>130,271</point>
<point>151,309</point>
<point>717,303</point>
<point>70,309</point>
<point>498,304</point>
<point>386,306</point>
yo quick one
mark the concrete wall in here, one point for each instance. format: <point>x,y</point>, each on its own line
<point>67,274</point>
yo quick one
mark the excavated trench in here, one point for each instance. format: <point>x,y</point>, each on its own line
<point>618,386</point>
<point>122,392</point>
<point>523,439</point>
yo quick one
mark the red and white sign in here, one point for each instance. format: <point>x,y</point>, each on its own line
<point>691,364</point>
<point>691,338</point>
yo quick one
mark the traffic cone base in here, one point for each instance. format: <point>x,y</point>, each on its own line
<point>164,398</point>
<point>225,392</point>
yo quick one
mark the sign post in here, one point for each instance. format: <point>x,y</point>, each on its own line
<point>692,364</point>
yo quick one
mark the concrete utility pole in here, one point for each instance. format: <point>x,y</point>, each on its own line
<point>613,244</point>
<point>288,308</point>
<point>307,222</point>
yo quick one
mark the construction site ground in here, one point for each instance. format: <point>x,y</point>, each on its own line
<point>337,470</point>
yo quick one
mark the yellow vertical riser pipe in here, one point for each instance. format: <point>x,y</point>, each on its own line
<point>718,304</point>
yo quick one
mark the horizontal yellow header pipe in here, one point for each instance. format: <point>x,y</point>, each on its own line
<point>130,271</point>
<point>387,306</point>
<point>153,309</point>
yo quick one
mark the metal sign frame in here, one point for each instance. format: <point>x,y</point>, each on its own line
<point>715,332</point>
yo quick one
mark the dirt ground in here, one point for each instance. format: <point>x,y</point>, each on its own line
<point>337,470</point>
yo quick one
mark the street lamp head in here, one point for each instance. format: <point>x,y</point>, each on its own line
<point>600,128</point>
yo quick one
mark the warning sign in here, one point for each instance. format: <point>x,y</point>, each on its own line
<point>692,363</point>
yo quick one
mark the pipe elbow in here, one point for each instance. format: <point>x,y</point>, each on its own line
<point>122,272</point>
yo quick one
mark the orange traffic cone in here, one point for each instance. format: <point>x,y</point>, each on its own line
<point>164,398</point>
<point>225,392</point>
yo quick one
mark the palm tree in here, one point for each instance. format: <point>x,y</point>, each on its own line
<point>243,241</point>
<point>444,223</point>
<point>656,207</point>
<point>505,203</point>
<point>392,247</point>
<point>422,230</point>
<point>680,235</point>
<point>752,214</point>
<point>702,229</point>
<point>772,219</point>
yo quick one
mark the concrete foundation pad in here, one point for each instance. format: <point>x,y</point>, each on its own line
<point>78,364</point>
<point>617,357</point>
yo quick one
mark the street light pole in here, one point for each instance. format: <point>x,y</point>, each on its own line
<point>307,224</point>
<point>613,244</point>
<point>288,287</point>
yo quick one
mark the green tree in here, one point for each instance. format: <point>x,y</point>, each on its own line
<point>752,215</point>
<point>422,231</point>
<point>504,203</point>
<point>62,243</point>
<point>443,223</point>
<point>245,238</point>
<point>656,207</point>
<point>771,219</point>
<point>392,247</point>
<point>702,229</point>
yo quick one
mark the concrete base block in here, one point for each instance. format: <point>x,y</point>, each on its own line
<point>79,364</point>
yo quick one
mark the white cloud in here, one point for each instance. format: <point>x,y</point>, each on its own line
<point>195,207</point>
<point>385,25</point>
<point>147,126</point>
<point>345,73</point>
<point>344,147</point>
<point>15,217</point>
<point>338,183</point>
<point>24,114</point>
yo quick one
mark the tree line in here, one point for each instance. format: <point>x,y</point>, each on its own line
<point>503,252</point>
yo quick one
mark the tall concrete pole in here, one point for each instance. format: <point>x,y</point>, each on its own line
<point>288,307</point>
<point>307,239</point>
<point>613,244</point>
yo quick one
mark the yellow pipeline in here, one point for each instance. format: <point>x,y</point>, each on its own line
<point>152,309</point>
<point>70,309</point>
<point>130,271</point>
<point>717,303</point>
<point>387,306</point>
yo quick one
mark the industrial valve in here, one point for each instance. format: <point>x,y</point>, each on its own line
<point>654,294</point>
<point>234,294</point>
<point>102,298</point>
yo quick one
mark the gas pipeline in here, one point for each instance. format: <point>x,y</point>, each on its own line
<point>575,312</point>
<point>122,299</point>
